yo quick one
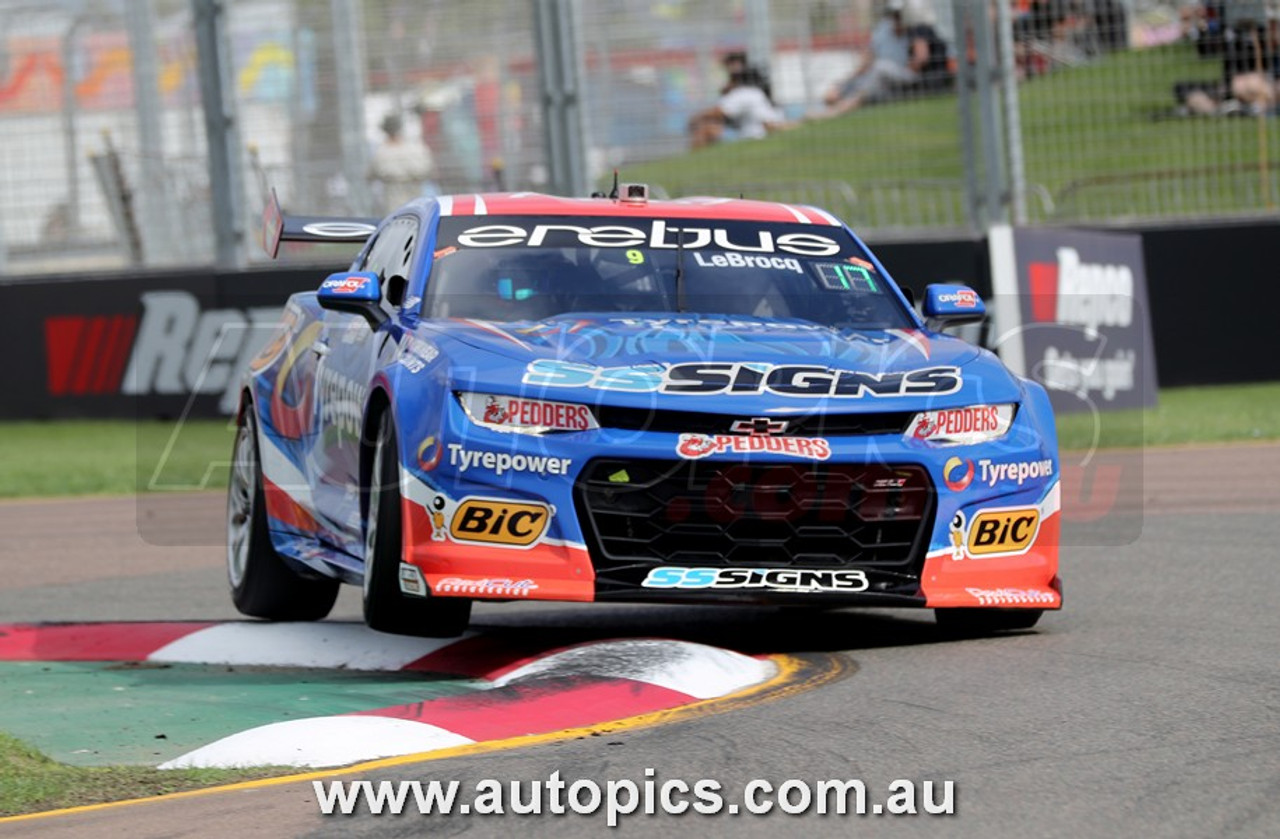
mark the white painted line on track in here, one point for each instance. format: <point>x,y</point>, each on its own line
<point>320,742</point>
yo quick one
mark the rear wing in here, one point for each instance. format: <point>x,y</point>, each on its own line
<point>277,228</point>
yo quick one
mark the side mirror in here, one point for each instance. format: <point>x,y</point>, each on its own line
<point>951,305</point>
<point>355,292</point>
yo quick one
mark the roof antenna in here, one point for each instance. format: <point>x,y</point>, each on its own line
<point>614,193</point>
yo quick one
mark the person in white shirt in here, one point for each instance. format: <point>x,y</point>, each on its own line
<point>744,107</point>
<point>400,166</point>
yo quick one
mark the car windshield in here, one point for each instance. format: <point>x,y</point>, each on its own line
<point>531,268</point>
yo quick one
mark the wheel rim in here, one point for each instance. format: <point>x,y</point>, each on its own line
<point>371,520</point>
<point>240,492</point>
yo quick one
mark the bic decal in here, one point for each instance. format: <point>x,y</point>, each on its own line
<point>995,532</point>
<point>494,521</point>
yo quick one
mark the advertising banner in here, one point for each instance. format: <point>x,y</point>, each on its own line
<point>141,346</point>
<point>1072,315</point>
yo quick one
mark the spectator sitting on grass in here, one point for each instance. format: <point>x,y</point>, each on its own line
<point>744,107</point>
<point>897,57</point>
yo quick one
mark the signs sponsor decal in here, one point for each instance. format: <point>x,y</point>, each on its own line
<point>499,521</point>
<point>500,463</point>
<point>994,532</point>
<point>416,353</point>
<point>1084,296</point>
<point>658,235</point>
<point>1012,596</point>
<point>745,378</point>
<point>485,587</point>
<point>516,413</point>
<point>769,579</point>
<point>697,446</point>
<point>960,426</point>
<point>411,581</point>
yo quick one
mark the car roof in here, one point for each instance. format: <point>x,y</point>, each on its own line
<point>722,209</point>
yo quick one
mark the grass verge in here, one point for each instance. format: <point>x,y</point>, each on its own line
<point>79,457</point>
<point>32,783</point>
<point>1217,414</point>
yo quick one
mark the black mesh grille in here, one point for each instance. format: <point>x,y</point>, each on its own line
<point>816,425</point>
<point>638,514</point>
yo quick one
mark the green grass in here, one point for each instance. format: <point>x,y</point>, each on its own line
<point>80,457</point>
<point>1219,414</point>
<point>1099,138</point>
<point>31,782</point>
<point>88,457</point>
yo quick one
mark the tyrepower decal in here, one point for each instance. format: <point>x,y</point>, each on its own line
<point>745,378</point>
<point>994,532</point>
<point>498,521</point>
<point>958,473</point>
<point>770,579</point>
<point>500,463</point>
<point>1017,472</point>
<point>696,446</point>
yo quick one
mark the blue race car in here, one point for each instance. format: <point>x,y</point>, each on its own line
<point>528,397</point>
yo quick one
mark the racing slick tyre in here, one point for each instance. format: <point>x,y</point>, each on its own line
<point>386,607</point>
<point>985,621</point>
<point>262,585</point>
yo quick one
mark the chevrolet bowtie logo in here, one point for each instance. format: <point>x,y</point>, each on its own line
<point>758,425</point>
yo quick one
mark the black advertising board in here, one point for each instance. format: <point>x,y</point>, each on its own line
<point>145,345</point>
<point>1073,315</point>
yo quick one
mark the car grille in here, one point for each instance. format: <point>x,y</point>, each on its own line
<point>639,514</point>
<point>697,422</point>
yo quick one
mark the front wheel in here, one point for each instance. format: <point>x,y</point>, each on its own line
<point>262,585</point>
<point>386,607</point>
<point>986,621</point>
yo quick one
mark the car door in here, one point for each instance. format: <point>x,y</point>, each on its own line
<point>349,350</point>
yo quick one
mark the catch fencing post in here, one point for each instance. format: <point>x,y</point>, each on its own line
<point>216,95</point>
<point>348,59</point>
<point>560,76</point>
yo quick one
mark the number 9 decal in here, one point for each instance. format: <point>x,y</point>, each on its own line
<point>635,257</point>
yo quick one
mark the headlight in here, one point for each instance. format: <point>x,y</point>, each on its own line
<point>962,426</point>
<point>525,416</point>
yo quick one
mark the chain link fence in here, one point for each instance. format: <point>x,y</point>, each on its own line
<point>1053,111</point>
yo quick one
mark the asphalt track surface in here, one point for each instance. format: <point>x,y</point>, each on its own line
<point>1150,706</point>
